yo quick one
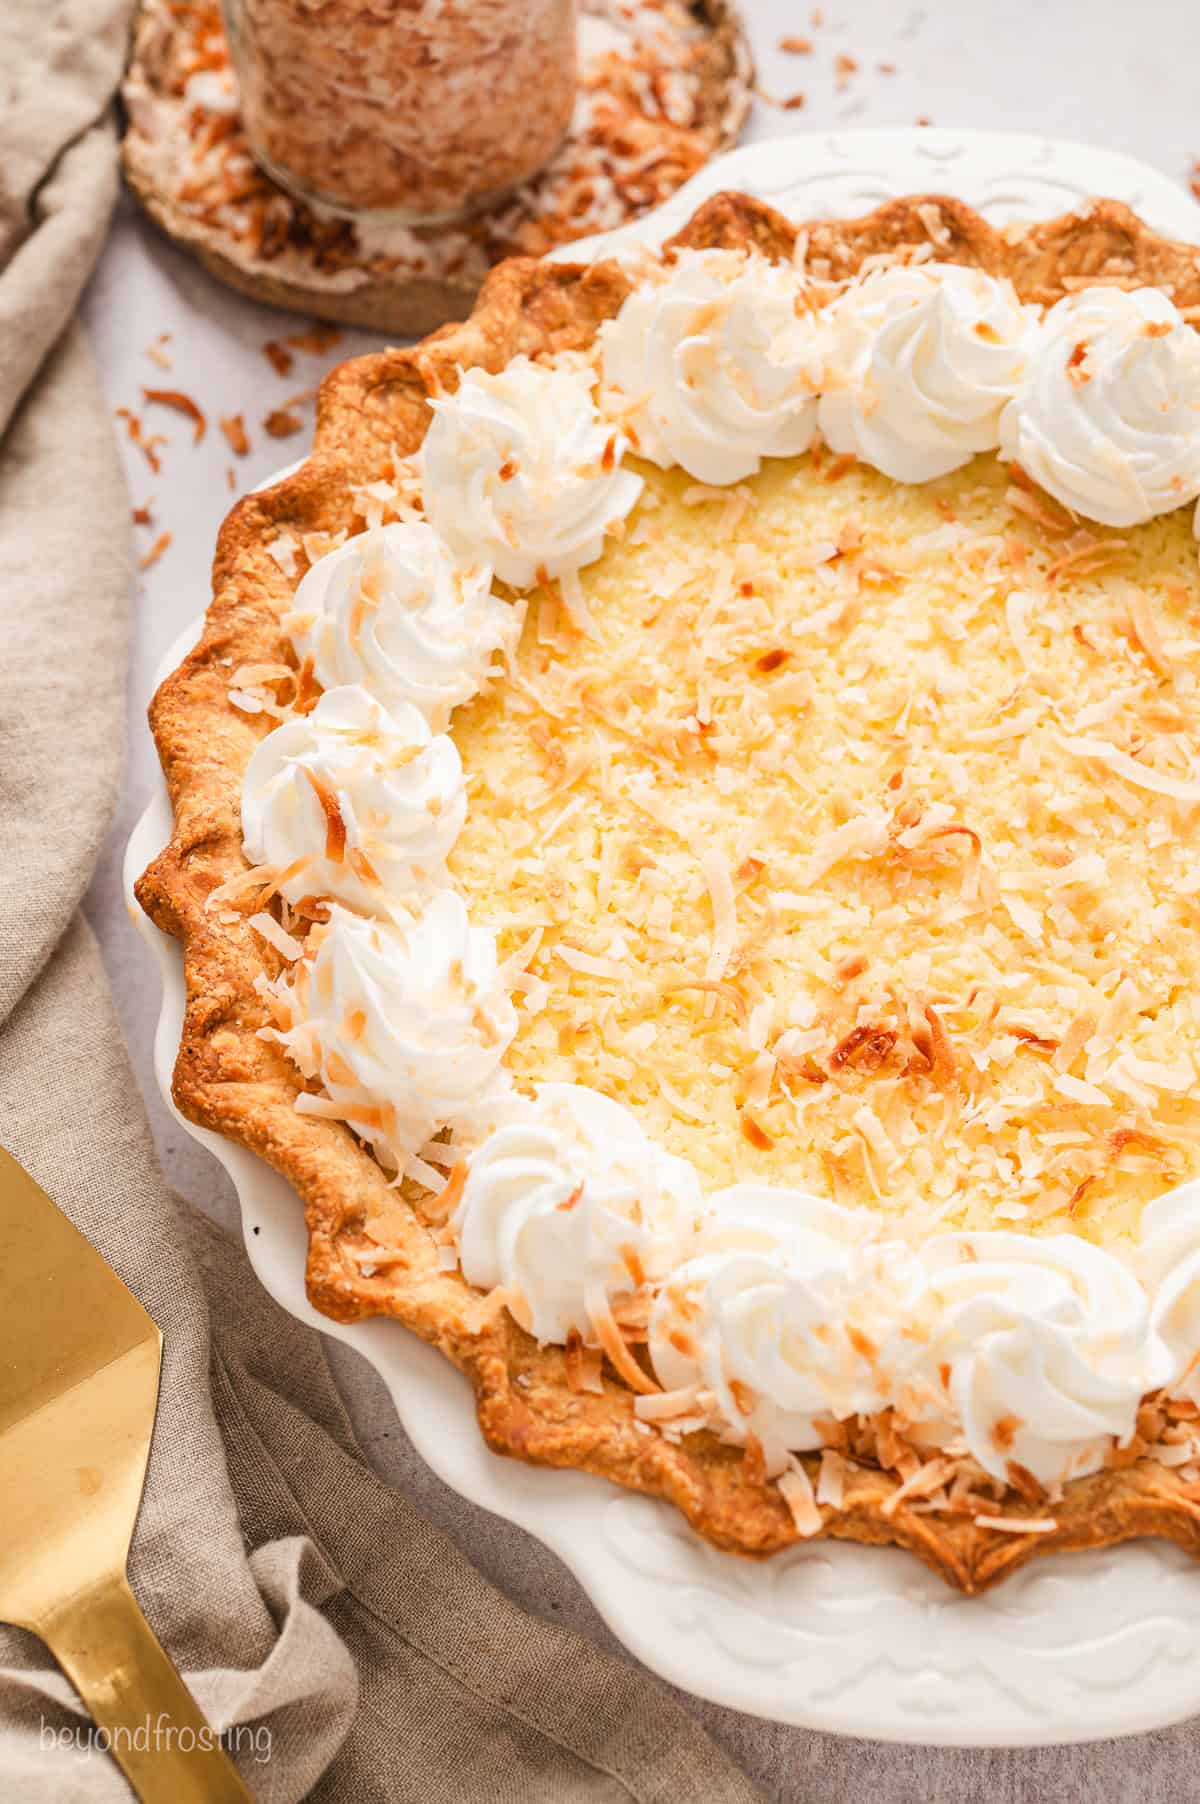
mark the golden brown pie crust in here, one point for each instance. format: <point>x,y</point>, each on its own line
<point>229,1080</point>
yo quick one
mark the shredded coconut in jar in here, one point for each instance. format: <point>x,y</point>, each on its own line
<point>420,109</point>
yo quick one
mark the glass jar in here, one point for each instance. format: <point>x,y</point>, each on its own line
<point>415,111</point>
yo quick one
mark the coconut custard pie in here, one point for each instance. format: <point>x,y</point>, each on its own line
<point>686,848</point>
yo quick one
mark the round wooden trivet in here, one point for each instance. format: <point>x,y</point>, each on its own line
<point>664,85</point>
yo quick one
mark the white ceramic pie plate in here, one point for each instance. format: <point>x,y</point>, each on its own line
<point>834,1637</point>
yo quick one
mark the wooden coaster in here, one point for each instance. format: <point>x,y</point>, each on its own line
<point>664,85</point>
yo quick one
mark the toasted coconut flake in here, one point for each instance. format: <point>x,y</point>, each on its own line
<point>865,1048</point>
<point>335,825</point>
<point>1145,634</point>
<point>278,356</point>
<point>726,991</point>
<point>1018,1525</point>
<point>930,1039</point>
<point>1085,559</point>
<point>1180,1077</point>
<point>1016,728</point>
<point>373,1259</point>
<point>1141,775</point>
<point>592,964</point>
<point>678,1104</point>
<point>149,558</point>
<point>864,836</point>
<point>234,428</point>
<point>1076,1090</point>
<point>180,403</point>
<point>1025,917</point>
<point>281,423</point>
<point>795,1487</point>
<point>613,1342</point>
<point>666,1405</point>
<point>583,1365</point>
<point>254,886</point>
<point>1171,1456</point>
<point>316,339</point>
<point>928,1478</point>
<point>831,1480</point>
<point>269,929</point>
<point>755,1133</point>
<point>147,446</point>
<point>282,550</point>
<point>719,878</point>
<point>450,1194</point>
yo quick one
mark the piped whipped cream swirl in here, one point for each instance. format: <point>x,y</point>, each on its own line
<point>354,801</point>
<point>791,1315</point>
<point>1029,1353</point>
<point>391,609</point>
<point>405,1024</point>
<point>921,362</point>
<point>1169,1262</point>
<point>719,362</point>
<point>1107,418</point>
<point>519,469</point>
<point>569,1206</point>
<point>1049,1345</point>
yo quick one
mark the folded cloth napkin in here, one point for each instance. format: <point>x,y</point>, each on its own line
<point>346,1649</point>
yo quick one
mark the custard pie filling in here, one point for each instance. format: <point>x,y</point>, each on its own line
<point>736,848</point>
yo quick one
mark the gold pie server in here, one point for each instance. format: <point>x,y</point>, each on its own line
<point>79,1367</point>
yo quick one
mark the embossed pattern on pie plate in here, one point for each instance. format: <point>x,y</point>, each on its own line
<point>836,1637</point>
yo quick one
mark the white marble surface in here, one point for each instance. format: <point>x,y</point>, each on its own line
<point>1103,71</point>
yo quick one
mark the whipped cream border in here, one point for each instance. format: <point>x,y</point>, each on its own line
<point>801,1320</point>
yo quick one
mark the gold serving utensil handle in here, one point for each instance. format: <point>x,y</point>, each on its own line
<point>152,1725</point>
<point>79,1371</point>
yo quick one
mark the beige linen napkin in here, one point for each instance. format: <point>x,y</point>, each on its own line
<point>346,1648</point>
